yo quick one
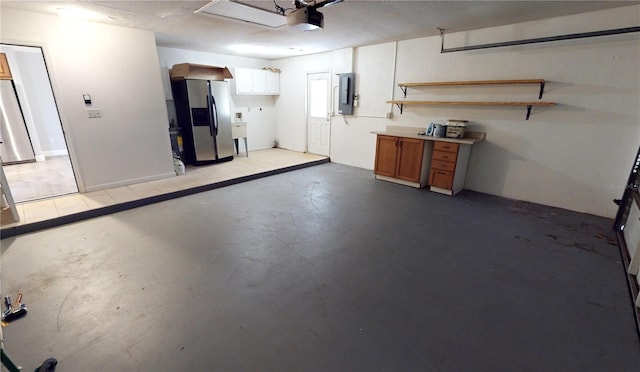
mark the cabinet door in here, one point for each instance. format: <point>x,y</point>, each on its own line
<point>243,80</point>
<point>273,82</point>
<point>5,72</point>
<point>410,159</point>
<point>259,78</point>
<point>386,156</point>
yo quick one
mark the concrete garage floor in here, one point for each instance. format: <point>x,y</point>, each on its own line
<point>324,268</point>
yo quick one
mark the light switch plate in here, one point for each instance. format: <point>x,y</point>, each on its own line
<point>94,113</point>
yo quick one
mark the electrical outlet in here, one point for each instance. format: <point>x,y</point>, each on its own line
<point>94,113</point>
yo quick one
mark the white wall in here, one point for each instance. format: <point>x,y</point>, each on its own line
<point>257,111</point>
<point>575,155</point>
<point>375,65</point>
<point>291,130</point>
<point>119,67</point>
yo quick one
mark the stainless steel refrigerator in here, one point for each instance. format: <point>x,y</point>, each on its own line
<point>15,144</point>
<point>203,111</point>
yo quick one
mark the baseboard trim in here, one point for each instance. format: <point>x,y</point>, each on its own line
<point>55,153</point>
<point>397,180</point>
<point>129,182</point>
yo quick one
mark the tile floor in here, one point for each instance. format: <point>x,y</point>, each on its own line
<point>42,179</point>
<point>256,162</point>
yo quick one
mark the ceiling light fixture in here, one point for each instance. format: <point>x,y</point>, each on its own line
<point>243,12</point>
<point>265,50</point>
<point>75,13</point>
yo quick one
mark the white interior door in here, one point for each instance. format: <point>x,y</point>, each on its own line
<point>318,118</point>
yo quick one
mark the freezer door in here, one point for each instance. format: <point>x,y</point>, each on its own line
<point>222,112</point>
<point>16,145</point>
<point>202,127</point>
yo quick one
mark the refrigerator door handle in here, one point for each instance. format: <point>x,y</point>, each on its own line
<point>209,109</point>
<point>213,119</point>
<point>215,116</point>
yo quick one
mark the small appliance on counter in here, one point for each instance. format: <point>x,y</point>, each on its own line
<point>436,129</point>
<point>455,128</point>
<point>429,131</point>
<point>439,130</point>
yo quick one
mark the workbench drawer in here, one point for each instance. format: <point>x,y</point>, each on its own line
<point>446,146</point>
<point>440,178</point>
<point>443,165</point>
<point>444,156</point>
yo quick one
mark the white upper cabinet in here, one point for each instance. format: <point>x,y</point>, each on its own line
<point>259,81</point>
<point>256,82</point>
<point>273,82</point>
<point>166,80</point>
<point>244,81</point>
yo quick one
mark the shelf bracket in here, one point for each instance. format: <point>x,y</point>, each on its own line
<point>441,30</point>
<point>541,90</point>
<point>404,90</point>
<point>528,111</point>
<point>400,105</point>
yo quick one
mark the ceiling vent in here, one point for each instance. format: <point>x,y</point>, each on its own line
<point>244,13</point>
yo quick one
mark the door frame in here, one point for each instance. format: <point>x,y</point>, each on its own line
<point>57,99</point>
<point>306,104</point>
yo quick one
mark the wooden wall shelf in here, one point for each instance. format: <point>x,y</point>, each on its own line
<point>404,86</point>
<point>401,104</point>
<point>529,105</point>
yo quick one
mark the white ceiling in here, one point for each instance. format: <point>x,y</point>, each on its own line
<point>348,24</point>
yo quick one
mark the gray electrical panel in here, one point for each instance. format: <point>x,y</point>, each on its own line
<point>345,97</point>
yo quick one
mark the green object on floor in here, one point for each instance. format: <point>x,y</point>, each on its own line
<point>48,365</point>
<point>8,363</point>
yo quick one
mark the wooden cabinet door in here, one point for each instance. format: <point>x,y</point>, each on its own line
<point>5,72</point>
<point>386,156</point>
<point>410,159</point>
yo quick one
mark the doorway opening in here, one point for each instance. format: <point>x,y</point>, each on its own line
<point>318,113</point>
<point>35,157</point>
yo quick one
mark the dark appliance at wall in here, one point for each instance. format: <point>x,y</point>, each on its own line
<point>347,94</point>
<point>203,110</point>
<point>15,143</point>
